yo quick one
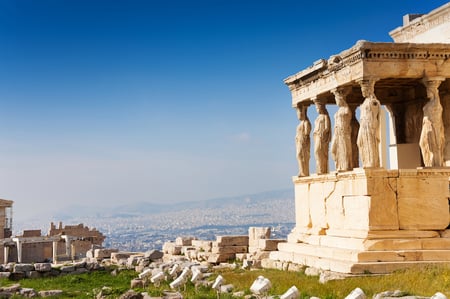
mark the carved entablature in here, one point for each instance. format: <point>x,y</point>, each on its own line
<point>431,27</point>
<point>397,66</point>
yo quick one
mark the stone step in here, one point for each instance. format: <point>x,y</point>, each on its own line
<point>365,256</point>
<point>389,267</point>
<point>343,266</point>
<point>383,234</point>
<point>378,244</point>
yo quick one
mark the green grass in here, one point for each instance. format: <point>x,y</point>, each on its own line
<point>80,286</point>
<point>424,281</point>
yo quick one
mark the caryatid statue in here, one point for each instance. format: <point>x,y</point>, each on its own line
<point>445,101</point>
<point>322,137</point>
<point>432,136</point>
<point>354,137</point>
<point>341,143</point>
<point>369,126</point>
<point>303,141</point>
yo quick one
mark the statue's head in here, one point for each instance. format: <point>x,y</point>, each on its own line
<point>301,111</point>
<point>320,107</point>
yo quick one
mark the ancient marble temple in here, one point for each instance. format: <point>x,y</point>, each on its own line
<point>365,215</point>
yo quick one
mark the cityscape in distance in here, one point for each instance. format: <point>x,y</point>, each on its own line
<point>145,226</point>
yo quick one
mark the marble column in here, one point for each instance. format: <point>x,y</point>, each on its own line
<point>19,250</point>
<point>6,254</point>
<point>55,251</point>
<point>68,244</point>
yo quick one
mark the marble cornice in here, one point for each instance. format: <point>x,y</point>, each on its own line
<point>367,60</point>
<point>422,24</point>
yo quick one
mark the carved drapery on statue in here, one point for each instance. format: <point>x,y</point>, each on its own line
<point>302,141</point>
<point>322,137</point>
<point>341,143</point>
<point>369,130</point>
<point>445,99</point>
<point>354,137</point>
<point>432,138</point>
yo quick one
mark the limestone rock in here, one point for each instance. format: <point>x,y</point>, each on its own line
<point>67,269</point>
<point>184,241</point>
<point>50,293</point>
<point>120,257</point>
<point>43,267</point>
<point>131,295</point>
<point>327,276</point>
<point>356,294</point>
<point>28,292</point>
<point>311,271</point>
<point>257,233</point>
<point>231,241</point>
<point>103,253</point>
<point>134,259</point>
<point>105,291</point>
<point>12,289</point>
<point>78,265</point>
<point>438,295</point>
<point>153,255</point>
<point>227,288</point>
<point>23,267</point>
<point>202,245</point>
<point>171,248</point>
<point>390,294</point>
<point>215,258</point>
<point>172,295</point>
<point>229,249</point>
<point>269,244</point>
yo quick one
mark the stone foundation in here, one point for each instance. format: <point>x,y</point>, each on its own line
<point>370,220</point>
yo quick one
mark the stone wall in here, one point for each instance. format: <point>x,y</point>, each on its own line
<point>36,252</point>
<point>91,234</point>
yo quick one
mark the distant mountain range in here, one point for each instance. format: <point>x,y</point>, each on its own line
<point>146,208</point>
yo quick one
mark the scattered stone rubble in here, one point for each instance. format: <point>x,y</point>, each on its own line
<point>16,272</point>
<point>185,259</point>
<point>173,268</point>
<point>251,249</point>
<point>206,256</point>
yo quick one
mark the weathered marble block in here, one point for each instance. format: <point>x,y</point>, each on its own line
<point>257,233</point>
<point>171,248</point>
<point>103,253</point>
<point>423,199</point>
<point>184,241</point>
<point>230,249</point>
<point>202,245</point>
<point>269,244</point>
<point>231,241</point>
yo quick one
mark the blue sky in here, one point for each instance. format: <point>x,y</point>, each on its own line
<point>105,102</point>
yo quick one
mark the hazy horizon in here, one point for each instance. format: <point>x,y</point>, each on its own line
<point>104,102</point>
